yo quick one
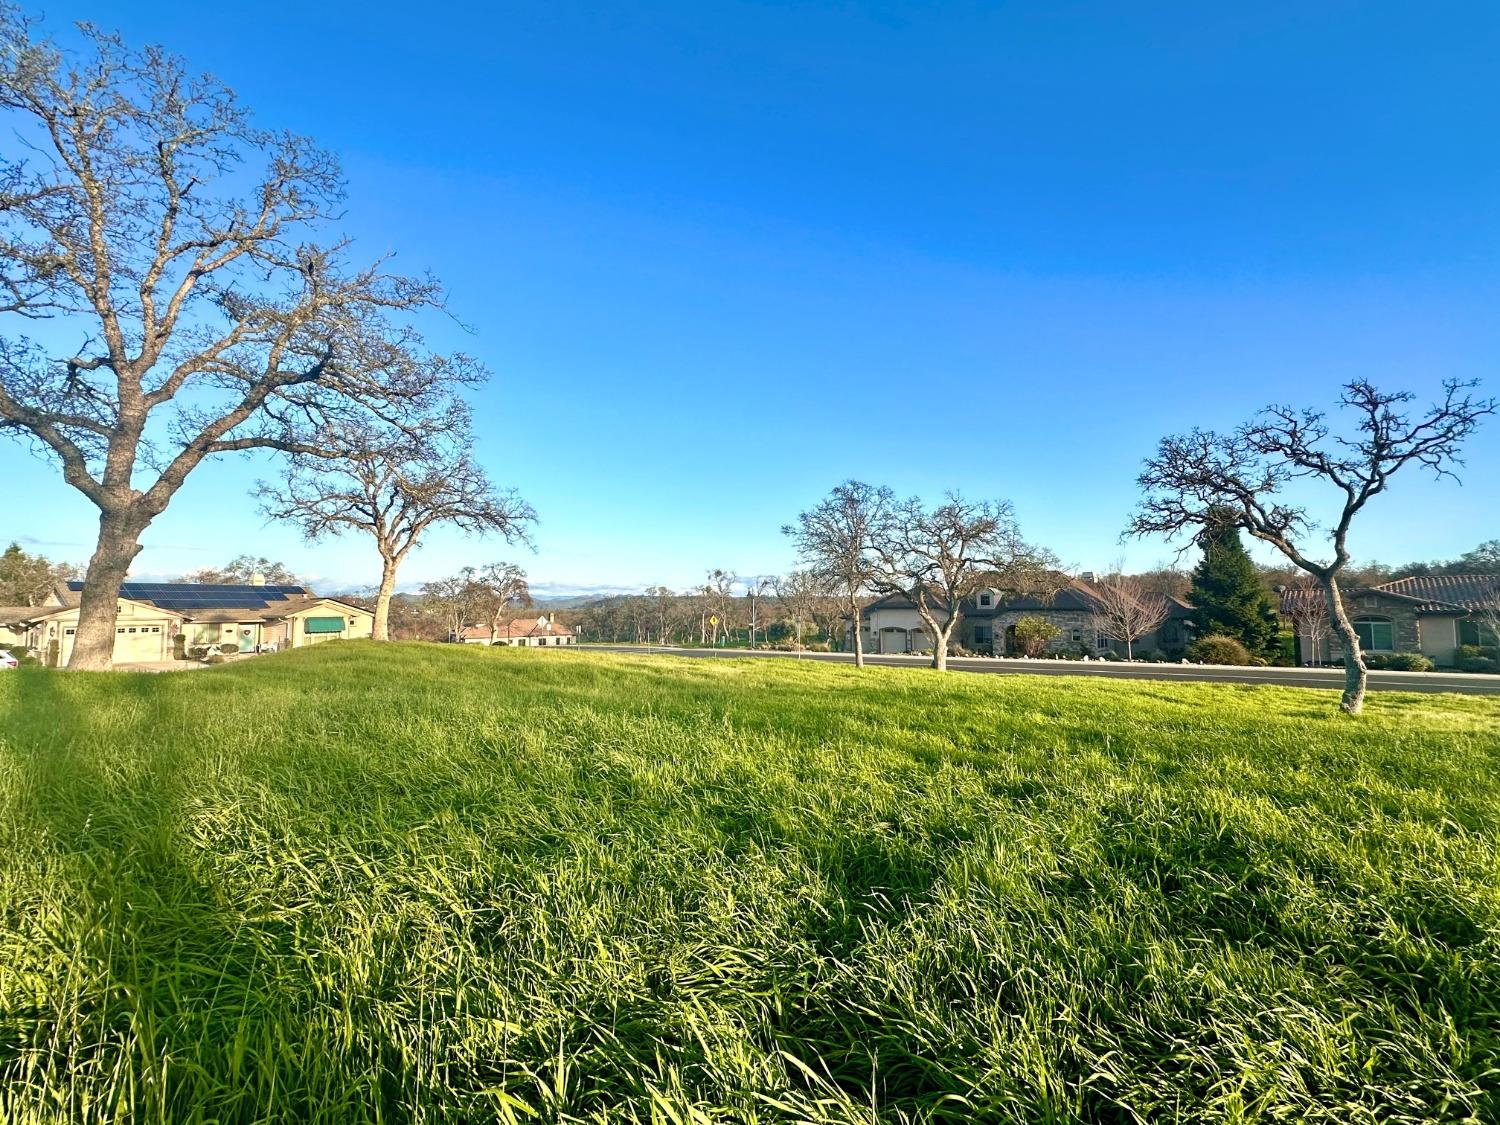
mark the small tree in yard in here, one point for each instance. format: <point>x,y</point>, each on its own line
<point>940,556</point>
<point>1203,480</point>
<point>837,541</point>
<point>395,490</point>
<point>1306,607</point>
<point>1033,634</point>
<point>1127,610</point>
<point>143,211</point>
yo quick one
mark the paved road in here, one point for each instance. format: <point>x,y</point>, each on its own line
<point>1331,678</point>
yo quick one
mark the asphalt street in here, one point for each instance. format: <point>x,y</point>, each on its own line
<point>1326,678</point>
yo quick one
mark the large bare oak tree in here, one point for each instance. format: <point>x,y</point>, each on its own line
<point>395,488</point>
<point>1198,479</point>
<point>939,557</point>
<point>836,539</point>
<point>199,304</point>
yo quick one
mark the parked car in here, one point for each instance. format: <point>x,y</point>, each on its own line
<point>7,660</point>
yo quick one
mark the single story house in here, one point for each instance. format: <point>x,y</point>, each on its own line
<point>249,618</point>
<point>541,633</point>
<point>1431,614</point>
<point>892,623</point>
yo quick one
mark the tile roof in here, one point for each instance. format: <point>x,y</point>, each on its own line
<point>1430,593</point>
<point>1438,592</point>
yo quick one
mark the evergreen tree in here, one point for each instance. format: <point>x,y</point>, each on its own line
<point>1228,597</point>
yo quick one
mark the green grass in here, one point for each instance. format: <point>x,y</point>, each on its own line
<point>422,883</point>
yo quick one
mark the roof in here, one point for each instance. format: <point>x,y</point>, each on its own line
<point>1430,593</point>
<point>1440,593</point>
<point>15,613</point>
<point>188,596</point>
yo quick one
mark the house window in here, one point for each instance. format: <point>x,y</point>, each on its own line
<point>1369,602</point>
<point>986,599</point>
<point>1376,634</point>
<point>70,632</point>
<point>1101,640</point>
<point>121,629</point>
<point>1475,633</point>
<point>1077,636</point>
<point>983,635</point>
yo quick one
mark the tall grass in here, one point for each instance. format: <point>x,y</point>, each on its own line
<point>423,884</point>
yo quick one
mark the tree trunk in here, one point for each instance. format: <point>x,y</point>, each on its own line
<point>117,547</point>
<point>859,644</point>
<point>381,630</point>
<point>1356,677</point>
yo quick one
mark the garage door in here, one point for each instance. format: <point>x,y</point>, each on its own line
<point>893,640</point>
<point>135,643</point>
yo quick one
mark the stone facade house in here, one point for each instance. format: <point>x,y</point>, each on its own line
<point>1429,614</point>
<point>892,624</point>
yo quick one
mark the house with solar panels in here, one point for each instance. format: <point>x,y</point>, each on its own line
<point>230,619</point>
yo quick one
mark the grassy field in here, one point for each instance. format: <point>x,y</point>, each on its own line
<point>422,883</point>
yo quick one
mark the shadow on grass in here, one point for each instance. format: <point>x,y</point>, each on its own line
<point>153,999</point>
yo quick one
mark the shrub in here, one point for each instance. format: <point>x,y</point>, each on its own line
<point>1478,658</point>
<point>1398,662</point>
<point>1034,634</point>
<point>817,646</point>
<point>1218,649</point>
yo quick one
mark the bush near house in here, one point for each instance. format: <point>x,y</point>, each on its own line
<point>1033,634</point>
<point>1218,649</point>
<point>1398,662</point>
<point>1478,658</point>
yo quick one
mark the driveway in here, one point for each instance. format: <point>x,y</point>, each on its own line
<point>1327,678</point>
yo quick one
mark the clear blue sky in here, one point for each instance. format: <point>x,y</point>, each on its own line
<point>1005,247</point>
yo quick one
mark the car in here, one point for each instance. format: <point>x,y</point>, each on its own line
<point>7,660</point>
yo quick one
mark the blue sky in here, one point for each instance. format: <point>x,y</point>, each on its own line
<point>721,256</point>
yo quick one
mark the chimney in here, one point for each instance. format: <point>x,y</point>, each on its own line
<point>257,579</point>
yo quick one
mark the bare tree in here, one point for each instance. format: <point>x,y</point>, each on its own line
<point>666,608</point>
<point>799,593</point>
<point>1487,613</point>
<point>503,589</point>
<point>460,598</point>
<point>1306,606</point>
<point>755,590</point>
<point>718,596</point>
<point>395,491</point>
<point>211,320</point>
<point>1126,608</point>
<point>837,540</point>
<point>243,569</point>
<point>1200,479</point>
<point>941,556</point>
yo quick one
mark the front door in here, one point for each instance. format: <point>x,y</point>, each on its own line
<point>247,638</point>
